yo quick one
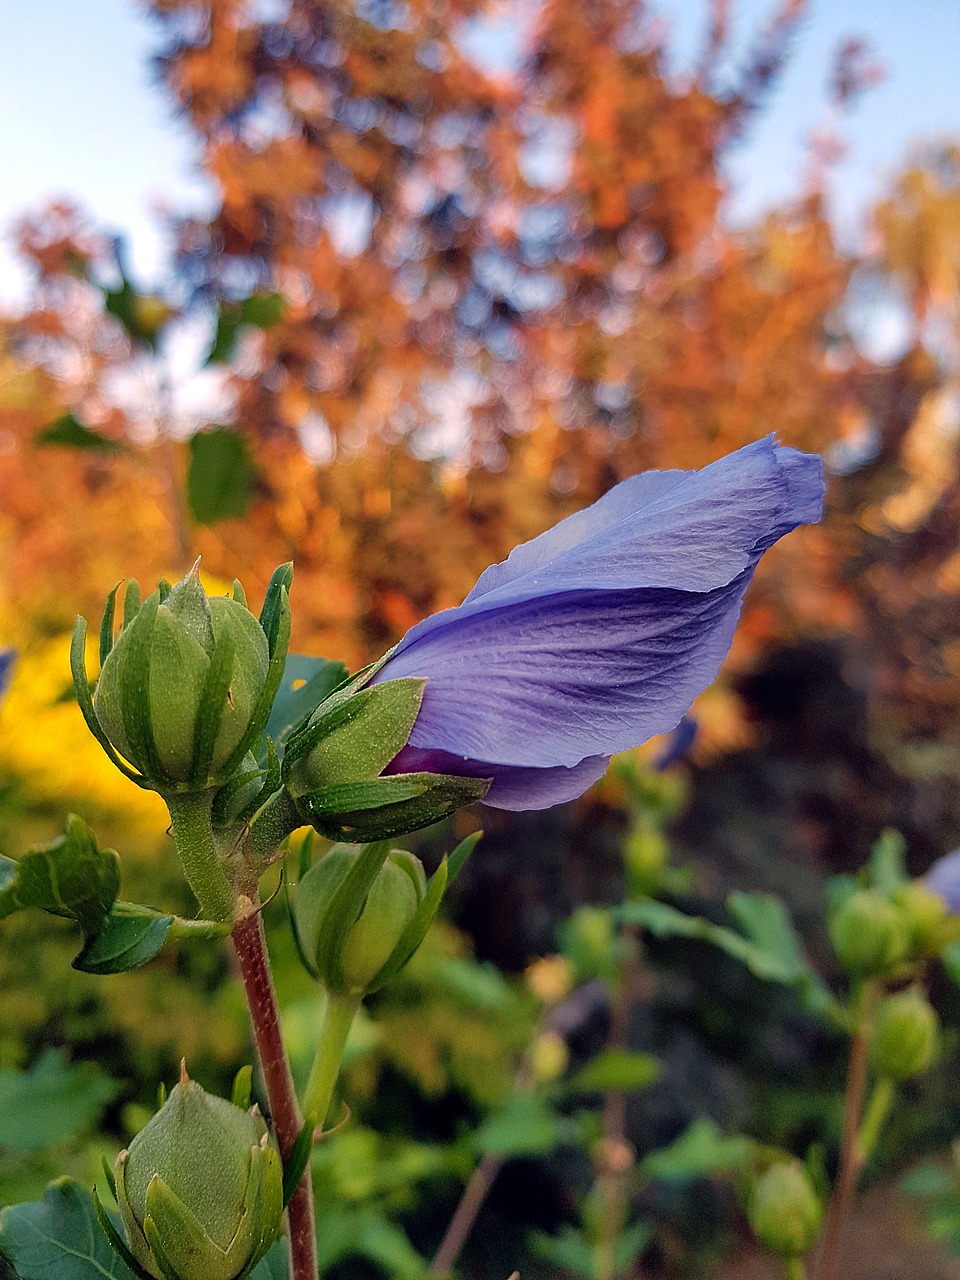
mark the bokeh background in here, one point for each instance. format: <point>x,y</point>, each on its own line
<point>386,287</point>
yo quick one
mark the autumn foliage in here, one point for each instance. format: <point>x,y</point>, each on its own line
<point>468,267</point>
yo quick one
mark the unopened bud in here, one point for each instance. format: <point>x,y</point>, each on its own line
<point>549,1057</point>
<point>785,1212</point>
<point>906,1035</point>
<point>926,914</point>
<point>869,934</point>
<point>368,944</point>
<point>200,1188</point>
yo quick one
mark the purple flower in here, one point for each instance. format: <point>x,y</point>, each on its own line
<point>944,878</point>
<point>598,634</point>
<point>7,657</point>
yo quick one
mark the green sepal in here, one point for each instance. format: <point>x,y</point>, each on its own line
<point>306,683</point>
<point>108,1175</point>
<point>461,853</point>
<point>298,1159</point>
<point>213,700</point>
<point>275,621</point>
<point>238,592</point>
<point>275,604</point>
<point>165,587</point>
<point>152,1236</point>
<point>106,624</point>
<point>134,685</point>
<point>114,1238</point>
<point>416,929</point>
<point>343,911</point>
<point>242,1087</point>
<point>388,807</point>
<point>131,601</point>
<point>81,687</point>
<point>225,812</point>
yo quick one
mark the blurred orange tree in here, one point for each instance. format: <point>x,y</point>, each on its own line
<point>466,267</point>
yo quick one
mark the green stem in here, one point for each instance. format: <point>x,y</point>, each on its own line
<point>878,1109</point>
<point>193,835</point>
<point>338,1015</point>
<point>795,1269</point>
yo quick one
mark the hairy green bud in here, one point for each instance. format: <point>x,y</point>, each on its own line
<point>333,767</point>
<point>926,915</point>
<point>869,934</point>
<point>186,688</point>
<point>906,1035</point>
<point>784,1211</point>
<point>200,1189</point>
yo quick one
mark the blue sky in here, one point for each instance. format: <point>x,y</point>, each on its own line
<point>81,117</point>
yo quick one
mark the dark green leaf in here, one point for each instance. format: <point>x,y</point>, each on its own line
<point>525,1126</point>
<point>69,877</point>
<point>52,1103</point>
<point>700,1150</point>
<point>59,1238</point>
<point>221,476</point>
<point>763,919</point>
<point>125,942</point>
<point>616,1069</point>
<point>68,432</point>
<point>569,1249</point>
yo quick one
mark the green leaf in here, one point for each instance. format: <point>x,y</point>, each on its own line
<point>221,476</point>
<point>261,311</point>
<point>569,1249</point>
<point>125,942</point>
<point>69,877</point>
<point>949,958</point>
<point>700,1150</point>
<point>70,433</point>
<point>616,1069</point>
<point>51,1104</point>
<point>768,945</point>
<point>763,919</point>
<point>525,1126</point>
<point>346,1232</point>
<point>58,1238</point>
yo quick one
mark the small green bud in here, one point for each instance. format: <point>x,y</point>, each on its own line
<point>926,914</point>
<point>906,1035</point>
<point>200,1189</point>
<point>588,940</point>
<point>784,1211</point>
<point>391,903</point>
<point>180,689</point>
<point>869,934</point>
<point>334,762</point>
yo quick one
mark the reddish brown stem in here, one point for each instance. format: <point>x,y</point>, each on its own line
<point>851,1153</point>
<point>251,949</point>
<point>471,1202</point>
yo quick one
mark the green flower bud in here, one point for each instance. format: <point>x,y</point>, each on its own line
<point>588,940</point>
<point>926,914</point>
<point>334,762</point>
<point>368,944</point>
<point>179,690</point>
<point>200,1189</point>
<point>869,934</point>
<point>906,1035</point>
<point>784,1211</point>
<point>645,854</point>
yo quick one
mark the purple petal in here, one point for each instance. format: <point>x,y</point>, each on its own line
<point>944,878</point>
<point>513,787</point>
<point>598,634</point>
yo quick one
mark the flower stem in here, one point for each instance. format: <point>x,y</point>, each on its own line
<point>254,963</point>
<point>794,1269</point>
<point>852,1155</point>
<point>338,1015</point>
<point>193,835</point>
<point>878,1109</point>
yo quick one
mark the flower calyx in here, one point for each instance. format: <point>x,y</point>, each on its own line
<point>199,1190</point>
<point>186,687</point>
<point>333,767</point>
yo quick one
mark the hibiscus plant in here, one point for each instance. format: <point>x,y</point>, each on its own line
<point>584,642</point>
